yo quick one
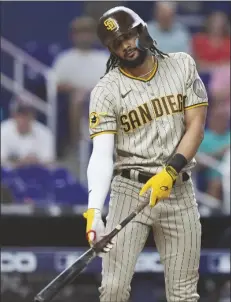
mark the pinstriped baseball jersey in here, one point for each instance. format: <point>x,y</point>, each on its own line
<point>147,115</point>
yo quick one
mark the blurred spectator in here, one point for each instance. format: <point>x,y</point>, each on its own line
<point>96,9</point>
<point>212,47</point>
<point>25,140</point>
<point>219,87</point>
<point>79,69</point>
<point>215,144</point>
<point>225,166</point>
<point>170,35</point>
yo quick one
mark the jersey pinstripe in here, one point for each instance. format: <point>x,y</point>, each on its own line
<point>147,115</point>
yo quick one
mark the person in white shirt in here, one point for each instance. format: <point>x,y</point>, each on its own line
<point>172,35</point>
<point>79,68</point>
<point>24,140</point>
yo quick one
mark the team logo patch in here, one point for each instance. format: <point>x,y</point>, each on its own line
<point>199,89</point>
<point>111,24</point>
<point>93,120</point>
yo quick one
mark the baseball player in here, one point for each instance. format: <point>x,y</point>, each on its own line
<point>150,108</point>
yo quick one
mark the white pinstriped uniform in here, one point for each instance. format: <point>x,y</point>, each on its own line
<point>148,119</point>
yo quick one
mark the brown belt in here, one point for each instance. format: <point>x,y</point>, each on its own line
<point>143,178</point>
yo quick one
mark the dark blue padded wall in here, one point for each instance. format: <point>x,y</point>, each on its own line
<point>40,21</point>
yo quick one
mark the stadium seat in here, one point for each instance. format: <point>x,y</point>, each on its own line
<point>13,183</point>
<point>6,175</point>
<point>66,188</point>
<point>37,183</point>
<point>41,185</point>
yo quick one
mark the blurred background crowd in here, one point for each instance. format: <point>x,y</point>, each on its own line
<point>50,61</point>
<point>67,45</point>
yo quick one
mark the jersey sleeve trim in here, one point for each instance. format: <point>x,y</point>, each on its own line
<point>103,132</point>
<point>196,105</point>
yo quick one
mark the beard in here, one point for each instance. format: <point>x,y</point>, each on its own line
<point>136,62</point>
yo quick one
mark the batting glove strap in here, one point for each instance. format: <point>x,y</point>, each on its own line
<point>178,162</point>
<point>172,172</point>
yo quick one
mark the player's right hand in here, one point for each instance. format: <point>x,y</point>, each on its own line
<point>95,228</point>
<point>160,185</point>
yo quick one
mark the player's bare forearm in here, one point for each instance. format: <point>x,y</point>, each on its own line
<point>195,123</point>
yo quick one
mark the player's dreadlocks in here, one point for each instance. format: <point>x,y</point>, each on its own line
<point>114,61</point>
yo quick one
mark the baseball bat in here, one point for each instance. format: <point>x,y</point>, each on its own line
<point>70,273</point>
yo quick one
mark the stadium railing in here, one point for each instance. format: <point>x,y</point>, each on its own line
<point>16,85</point>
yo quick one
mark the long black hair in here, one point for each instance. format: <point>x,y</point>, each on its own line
<point>114,61</point>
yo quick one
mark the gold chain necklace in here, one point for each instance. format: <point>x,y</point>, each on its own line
<point>140,76</point>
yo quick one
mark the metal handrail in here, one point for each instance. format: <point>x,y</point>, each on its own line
<point>15,51</point>
<point>207,199</point>
<point>30,98</point>
<point>209,161</point>
<point>16,85</point>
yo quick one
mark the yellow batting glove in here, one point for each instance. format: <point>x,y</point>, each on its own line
<point>89,216</point>
<point>160,184</point>
<point>95,227</point>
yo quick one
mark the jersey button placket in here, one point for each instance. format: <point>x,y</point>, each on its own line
<point>149,86</point>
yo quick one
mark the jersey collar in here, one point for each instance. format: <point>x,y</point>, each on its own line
<point>138,78</point>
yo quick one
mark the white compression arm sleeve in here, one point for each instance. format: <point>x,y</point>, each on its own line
<point>100,170</point>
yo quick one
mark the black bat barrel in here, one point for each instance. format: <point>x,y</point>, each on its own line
<point>66,277</point>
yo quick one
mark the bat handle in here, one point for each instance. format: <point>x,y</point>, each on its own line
<point>98,247</point>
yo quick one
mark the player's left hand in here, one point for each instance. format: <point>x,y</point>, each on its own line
<point>160,184</point>
<point>95,228</point>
